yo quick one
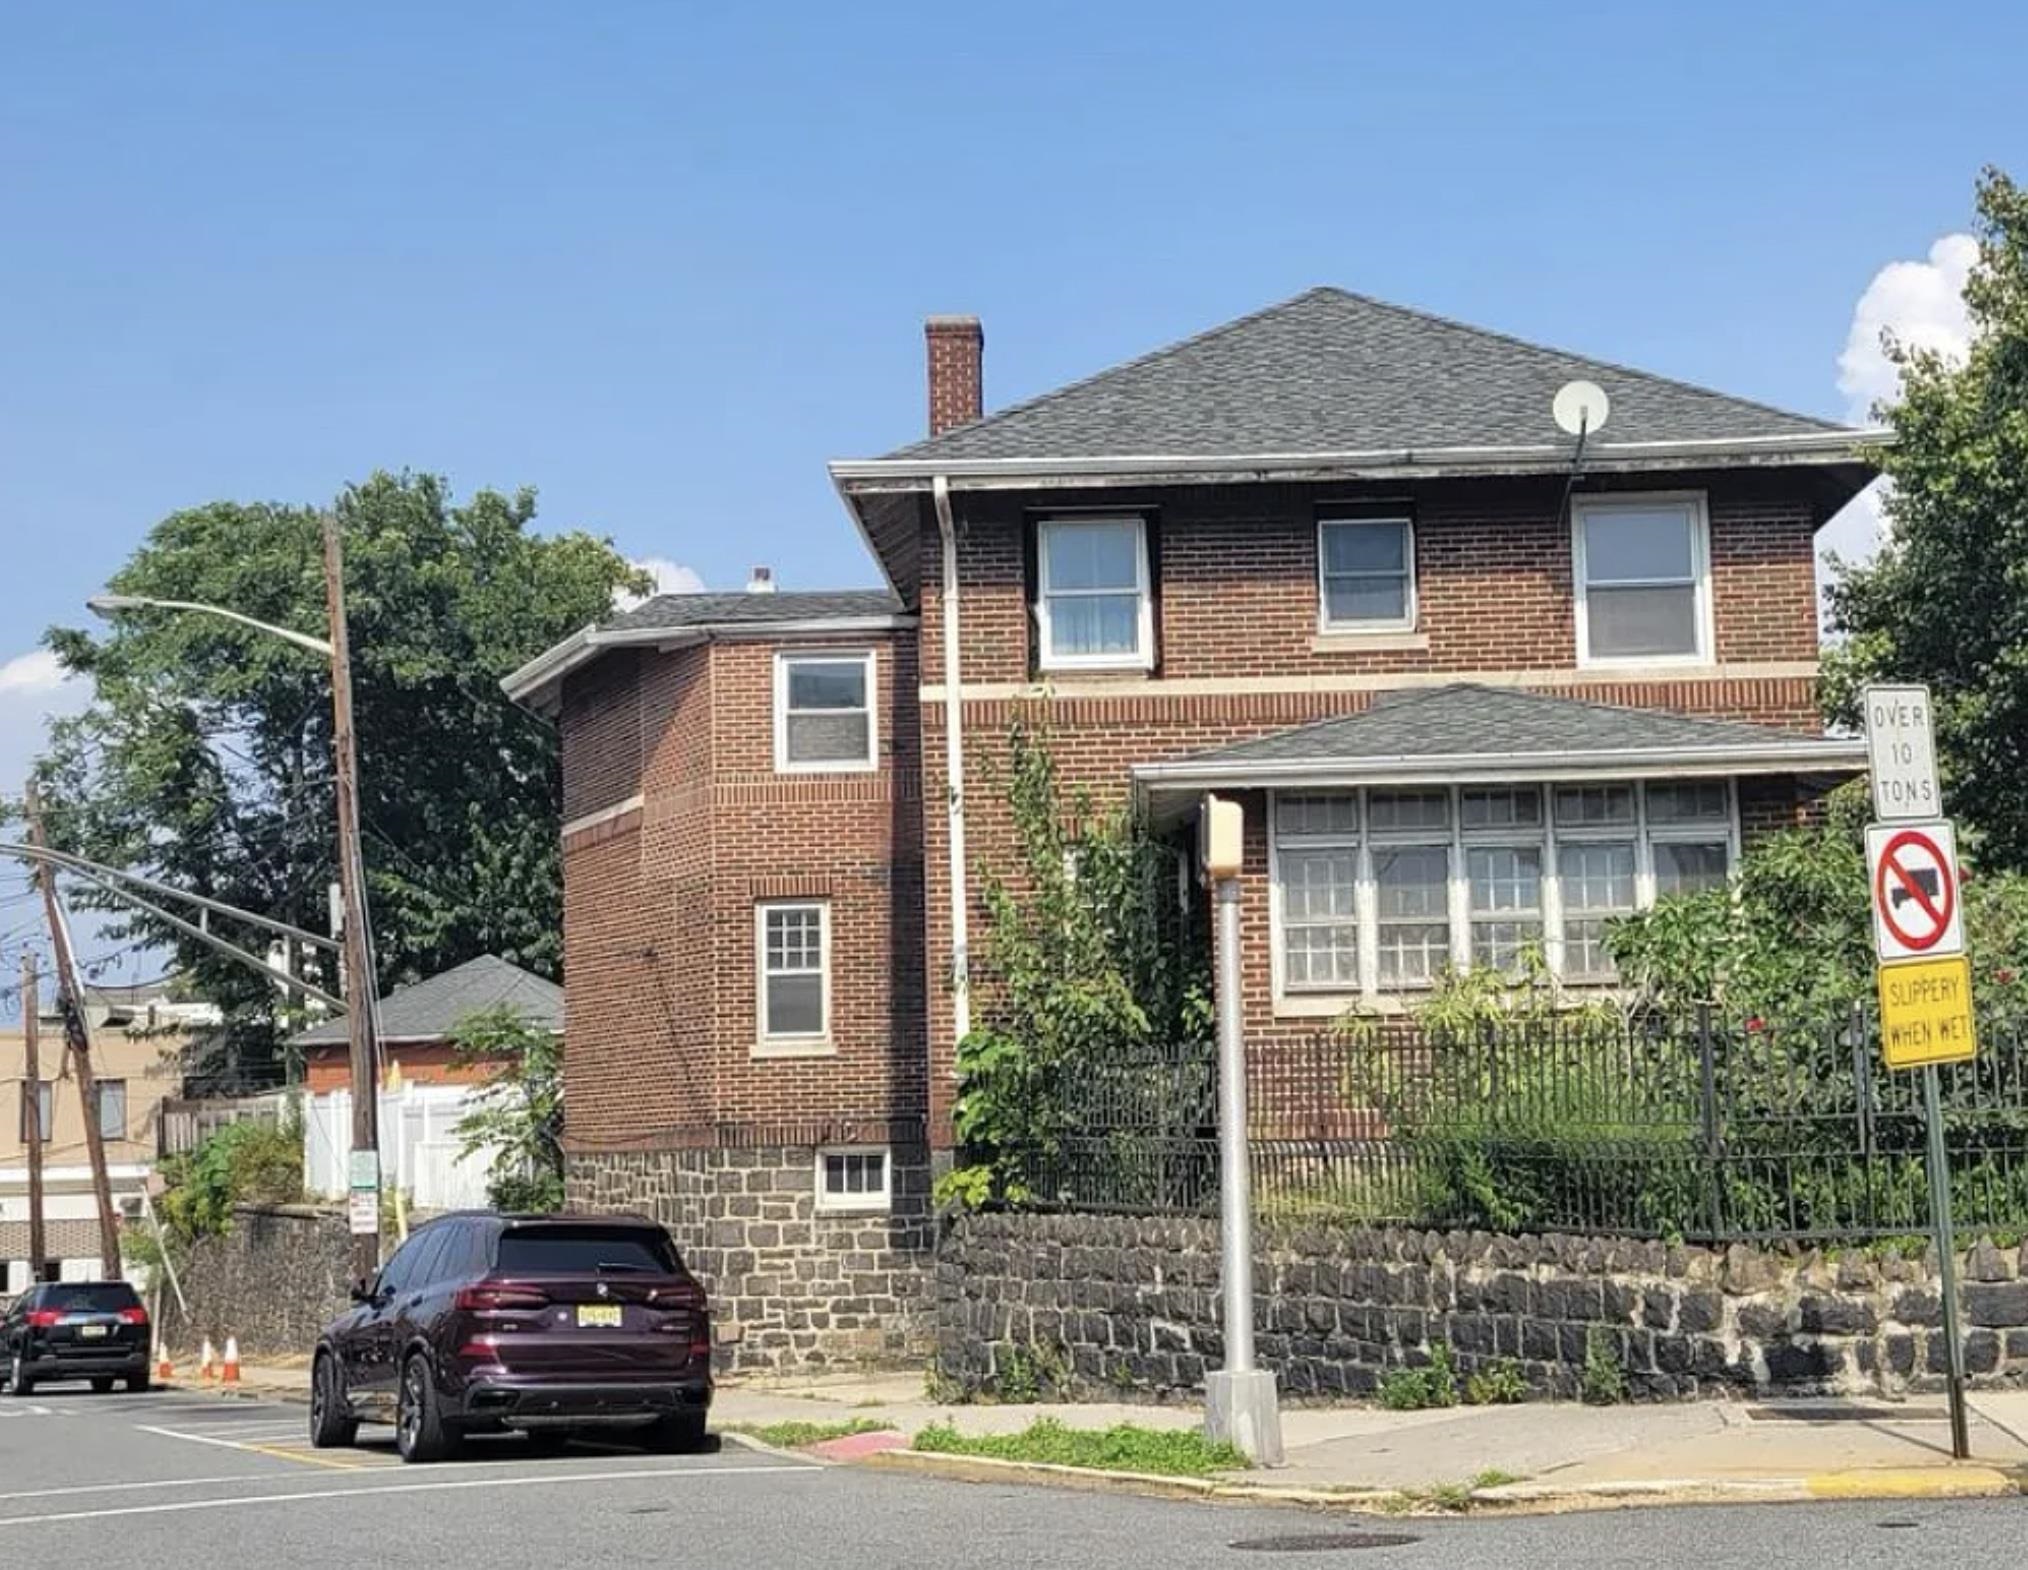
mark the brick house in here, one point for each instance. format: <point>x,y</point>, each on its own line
<point>1478,684</point>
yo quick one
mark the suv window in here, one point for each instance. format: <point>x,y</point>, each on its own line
<point>578,1250</point>
<point>396,1274</point>
<point>97,1297</point>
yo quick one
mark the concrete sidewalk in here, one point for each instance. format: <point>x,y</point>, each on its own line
<point>1544,1453</point>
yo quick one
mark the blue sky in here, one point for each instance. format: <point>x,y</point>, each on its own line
<point>662,260</point>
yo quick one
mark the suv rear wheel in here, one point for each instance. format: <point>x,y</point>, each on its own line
<point>420,1433</point>
<point>332,1427</point>
<point>18,1382</point>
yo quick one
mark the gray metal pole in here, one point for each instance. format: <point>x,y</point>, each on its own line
<point>1241,1406</point>
<point>1947,1261</point>
<point>1235,1189</point>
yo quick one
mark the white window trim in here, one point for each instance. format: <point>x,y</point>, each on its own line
<point>1700,568</point>
<point>1143,657</point>
<point>799,1044</point>
<point>1352,629</point>
<point>857,1204</point>
<point>784,658</point>
<point>1301,1001</point>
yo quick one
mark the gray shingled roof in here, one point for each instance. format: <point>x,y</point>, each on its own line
<point>1465,719</point>
<point>430,1010</point>
<point>676,611</point>
<point>1335,372</point>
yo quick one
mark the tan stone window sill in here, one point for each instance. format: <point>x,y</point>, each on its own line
<point>1369,642</point>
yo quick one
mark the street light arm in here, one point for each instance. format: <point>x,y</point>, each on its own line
<point>108,604</point>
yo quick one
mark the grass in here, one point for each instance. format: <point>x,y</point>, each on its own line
<point>1125,1447</point>
<point>795,1435</point>
<point>1451,1498</point>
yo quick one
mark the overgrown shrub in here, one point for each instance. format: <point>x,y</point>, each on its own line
<point>1086,961</point>
<point>517,1116</point>
<point>1435,1384</point>
<point>250,1163</point>
<point>1499,1383</point>
<point>1603,1382</point>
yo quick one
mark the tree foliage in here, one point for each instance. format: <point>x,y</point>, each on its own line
<point>204,758</point>
<point>518,1117</point>
<point>1946,599</point>
<point>246,1163</point>
<point>1087,955</point>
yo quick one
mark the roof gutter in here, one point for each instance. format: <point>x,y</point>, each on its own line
<point>850,474</point>
<point>535,683</point>
<point>1830,754</point>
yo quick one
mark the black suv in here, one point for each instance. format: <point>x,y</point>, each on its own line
<point>94,1330</point>
<point>543,1324</point>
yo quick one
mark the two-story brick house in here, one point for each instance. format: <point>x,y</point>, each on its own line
<point>1478,685</point>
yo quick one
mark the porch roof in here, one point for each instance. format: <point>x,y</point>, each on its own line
<point>1466,733</point>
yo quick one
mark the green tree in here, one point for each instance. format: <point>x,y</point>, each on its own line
<point>1946,599</point>
<point>518,1120</point>
<point>204,758</point>
<point>1086,955</point>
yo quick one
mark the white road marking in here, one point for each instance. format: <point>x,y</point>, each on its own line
<point>195,1439</point>
<point>368,1490</point>
<point>166,1482</point>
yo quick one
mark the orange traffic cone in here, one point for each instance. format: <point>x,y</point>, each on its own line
<point>164,1369</point>
<point>231,1371</point>
<point>207,1362</point>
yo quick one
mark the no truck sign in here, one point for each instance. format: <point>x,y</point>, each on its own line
<point>1913,871</point>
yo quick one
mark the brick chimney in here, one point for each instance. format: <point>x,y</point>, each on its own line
<point>957,346</point>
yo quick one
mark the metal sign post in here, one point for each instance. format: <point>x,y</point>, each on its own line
<point>1925,980</point>
<point>1947,1260</point>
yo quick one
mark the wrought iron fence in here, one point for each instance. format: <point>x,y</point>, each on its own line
<point>1707,1130</point>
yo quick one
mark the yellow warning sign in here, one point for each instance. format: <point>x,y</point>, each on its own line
<point>1926,1012</point>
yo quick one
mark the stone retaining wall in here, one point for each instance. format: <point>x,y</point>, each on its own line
<point>791,1286</point>
<point>1127,1306</point>
<point>274,1281</point>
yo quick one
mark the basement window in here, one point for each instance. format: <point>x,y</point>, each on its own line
<point>853,1180</point>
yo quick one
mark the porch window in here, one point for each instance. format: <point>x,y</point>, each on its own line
<point>1641,566</point>
<point>1092,607</point>
<point>1366,573</point>
<point>1376,890</point>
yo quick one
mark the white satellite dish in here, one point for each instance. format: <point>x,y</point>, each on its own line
<point>1581,408</point>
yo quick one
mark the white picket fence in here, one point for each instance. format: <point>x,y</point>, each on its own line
<point>418,1146</point>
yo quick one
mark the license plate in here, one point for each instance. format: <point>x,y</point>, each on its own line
<point>598,1316</point>
<point>92,1332</point>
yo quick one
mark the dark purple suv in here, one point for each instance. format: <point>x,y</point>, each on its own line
<point>543,1324</point>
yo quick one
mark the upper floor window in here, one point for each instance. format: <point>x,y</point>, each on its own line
<point>44,1101</point>
<point>1642,566</point>
<point>112,1108</point>
<point>1092,607</point>
<point>1366,573</point>
<point>824,712</point>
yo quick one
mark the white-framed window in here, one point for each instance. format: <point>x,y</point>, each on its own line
<point>793,938</point>
<point>1374,891</point>
<point>1641,566</point>
<point>112,1108</point>
<point>44,1096</point>
<point>854,1178</point>
<point>824,713</point>
<point>1093,609</point>
<point>1365,574</point>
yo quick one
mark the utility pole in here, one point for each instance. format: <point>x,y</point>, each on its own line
<point>77,1031</point>
<point>31,1043</point>
<point>364,1169</point>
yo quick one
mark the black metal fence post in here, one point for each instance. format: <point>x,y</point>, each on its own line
<point>1707,1099</point>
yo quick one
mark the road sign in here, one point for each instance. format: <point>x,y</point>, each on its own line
<point>1901,745</point>
<point>1913,871</point>
<point>1926,1012</point>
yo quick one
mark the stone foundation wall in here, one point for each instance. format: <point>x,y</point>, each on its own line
<point>274,1281</point>
<point>791,1286</point>
<point>1126,1306</point>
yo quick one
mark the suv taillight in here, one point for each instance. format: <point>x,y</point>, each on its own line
<point>43,1318</point>
<point>488,1299</point>
<point>688,1295</point>
<point>136,1315</point>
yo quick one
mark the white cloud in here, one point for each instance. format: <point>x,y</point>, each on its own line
<point>670,578</point>
<point>1922,304</point>
<point>33,689</point>
<point>35,671</point>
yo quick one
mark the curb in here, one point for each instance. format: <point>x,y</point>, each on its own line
<point>1953,1482</point>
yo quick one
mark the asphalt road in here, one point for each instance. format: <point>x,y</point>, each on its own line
<point>180,1480</point>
